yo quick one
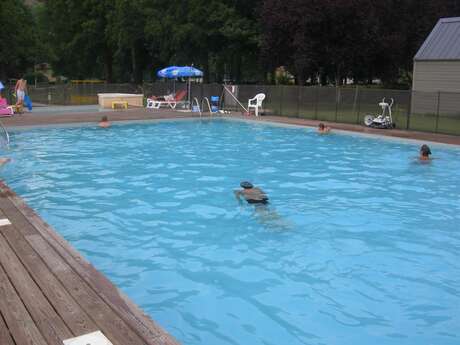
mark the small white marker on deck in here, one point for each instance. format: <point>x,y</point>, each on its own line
<point>95,338</point>
<point>4,222</point>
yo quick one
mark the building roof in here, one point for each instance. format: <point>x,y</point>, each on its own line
<point>443,43</point>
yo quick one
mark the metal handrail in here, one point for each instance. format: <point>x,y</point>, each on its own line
<point>236,99</point>
<point>7,136</point>
<point>207,102</point>
<point>197,104</point>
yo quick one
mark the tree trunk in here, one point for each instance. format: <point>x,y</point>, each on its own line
<point>300,79</point>
<point>206,68</point>
<point>133,63</point>
<point>237,71</point>
<point>108,61</point>
<point>3,72</point>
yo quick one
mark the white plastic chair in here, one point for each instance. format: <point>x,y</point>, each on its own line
<point>256,103</point>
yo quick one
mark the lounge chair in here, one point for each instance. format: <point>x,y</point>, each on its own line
<point>5,110</point>
<point>169,100</point>
<point>256,103</point>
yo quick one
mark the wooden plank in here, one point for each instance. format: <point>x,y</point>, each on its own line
<point>118,301</point>
<point>109,322</point>
<point>48,322</point>
<point>5,336</point>
<point>67,308</point>
<point>9,210</point>
<point>19,322</point>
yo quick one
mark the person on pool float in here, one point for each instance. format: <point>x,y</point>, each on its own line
<point>425,153</point>
<point>322,129</point>
<point>251,194</point>
<point>104,123</point>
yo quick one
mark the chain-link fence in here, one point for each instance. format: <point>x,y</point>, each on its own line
<point>414,110</point>
<point>437,112</point>
<point>70,94</point>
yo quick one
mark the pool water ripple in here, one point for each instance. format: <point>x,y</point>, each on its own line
<point>359,245</point>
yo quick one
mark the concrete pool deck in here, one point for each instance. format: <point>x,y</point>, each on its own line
<point>69,115</point>
<point>49,292</point>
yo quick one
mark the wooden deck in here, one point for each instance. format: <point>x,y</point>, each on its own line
<point>49,293</point>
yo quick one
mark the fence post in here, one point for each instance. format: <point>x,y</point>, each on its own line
<point>409,110</point>
<point>437,112</point>
<point>358,104</point>
<point>316,102</point>
<point>281,87</point>
<point>337,99</point>
<point>299,97</point>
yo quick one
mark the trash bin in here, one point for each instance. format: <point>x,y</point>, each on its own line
<point>214,104</point>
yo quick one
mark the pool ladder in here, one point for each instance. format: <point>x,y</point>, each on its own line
<point>200,107</point>
<point>5,135</point>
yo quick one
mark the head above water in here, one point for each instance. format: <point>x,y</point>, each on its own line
<point>321,126</point>
<point>425,150</point>
<point>104,119</point>
<point>246,185</point>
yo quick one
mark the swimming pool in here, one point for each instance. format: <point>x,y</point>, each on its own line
<point>359,244</point>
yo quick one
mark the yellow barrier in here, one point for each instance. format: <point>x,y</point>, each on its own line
<point>122,104</point>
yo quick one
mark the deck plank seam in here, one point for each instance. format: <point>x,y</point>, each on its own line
<point>27,307</point>
<point>3,322</point>
<point>35,327</point>
<point>32,276</point>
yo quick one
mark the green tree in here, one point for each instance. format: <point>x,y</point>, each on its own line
<point>18,40</point>
<point>80,38</point>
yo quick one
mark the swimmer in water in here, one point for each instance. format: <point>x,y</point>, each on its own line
<point>322,129</point>
<point>264,214</point>
<point>251,194</point>
<point>104,123</point>
<point>3,161</point>
<point>425,153</point>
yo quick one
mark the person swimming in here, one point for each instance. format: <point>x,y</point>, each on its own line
<point>104,123</point>
<point>4,160</point>
<point>322,129</point>
<point>263,213</point>
<point>425,153</point>
<point>251,194</point>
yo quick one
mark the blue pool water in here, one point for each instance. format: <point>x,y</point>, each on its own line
<point>359,245</point>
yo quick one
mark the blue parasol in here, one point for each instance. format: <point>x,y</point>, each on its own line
<point>174,72</point>
<point>179,72</point>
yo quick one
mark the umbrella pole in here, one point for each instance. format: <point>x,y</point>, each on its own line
<point>188,93</point>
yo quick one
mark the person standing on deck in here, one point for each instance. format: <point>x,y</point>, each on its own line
<point>20,90</point>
